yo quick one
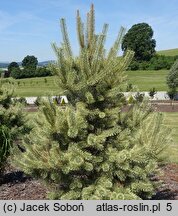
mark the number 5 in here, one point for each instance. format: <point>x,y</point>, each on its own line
<point>169,207</point>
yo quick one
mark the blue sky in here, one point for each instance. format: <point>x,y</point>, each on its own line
<point>27,27</point>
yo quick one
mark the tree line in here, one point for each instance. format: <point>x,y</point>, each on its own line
<point>29,69</point>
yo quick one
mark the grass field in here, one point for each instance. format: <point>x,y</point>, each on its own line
<point>39,86</point>
<point>170,52</point>
<point>145,80</point>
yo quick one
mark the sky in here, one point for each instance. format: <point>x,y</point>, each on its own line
<point>28,27</point>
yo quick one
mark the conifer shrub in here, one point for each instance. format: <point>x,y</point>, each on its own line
<point>139,97</point>
<point>172,93</point>
<point>129,87</point>
<point>131,100</point>
<point>172,77</point>
<point>38,101</point>
<point>90,149</point>
<point>152,92</point>
<point>5,145</point>
<point>12,121</point>
<point>20,100</point>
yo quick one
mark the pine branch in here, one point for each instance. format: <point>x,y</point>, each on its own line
<point>91,24</point>
<point>66,39</point>
<point>80,31</point>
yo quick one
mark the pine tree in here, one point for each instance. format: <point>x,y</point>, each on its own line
<point>91,149</point>
<point>12,121</point>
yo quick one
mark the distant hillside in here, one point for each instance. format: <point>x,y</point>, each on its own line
<point>44,63</point>
<point>170,52</point>
<point>3,65</point>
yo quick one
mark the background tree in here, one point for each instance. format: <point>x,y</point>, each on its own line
<point>1,70</point>
<point>172,78</point>
<point>17,73</point>
<point>91,149</point>
<point>12,65</point>
<point>30,62</point>
<point>43,71</point>
<point>139,39</point>
<point>6,74</point>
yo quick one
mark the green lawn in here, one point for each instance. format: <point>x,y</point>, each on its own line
<point>170,52</point>
<point>145,80</point>
<point>36,86</point>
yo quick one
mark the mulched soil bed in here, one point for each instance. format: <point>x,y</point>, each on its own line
<point>169,187</point>
<point>159,106</point>
<point>165,106</point>
<point>16,185</point>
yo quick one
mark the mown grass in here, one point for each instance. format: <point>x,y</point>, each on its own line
<point>39,86</point>
<point>170,52</point>
<point>144,80</point>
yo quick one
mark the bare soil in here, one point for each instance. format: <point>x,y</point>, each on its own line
<point>15,185</point>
